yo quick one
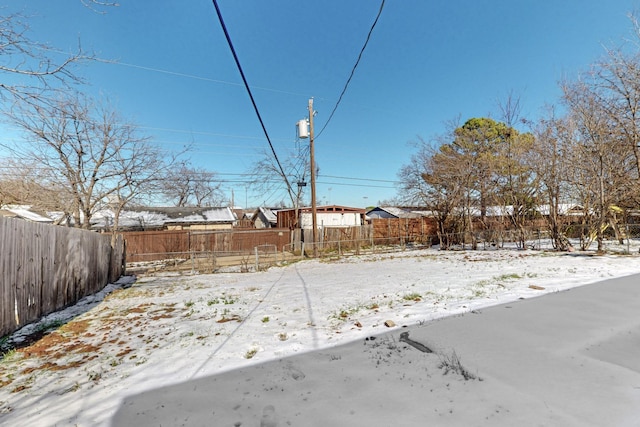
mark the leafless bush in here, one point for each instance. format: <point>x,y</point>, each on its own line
<point>451,363</point>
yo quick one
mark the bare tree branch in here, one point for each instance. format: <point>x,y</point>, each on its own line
<point>185,185</point>
<point>267,178</point>
<point>95,4</point>
<point>88,150</point>
<point>28,63</point>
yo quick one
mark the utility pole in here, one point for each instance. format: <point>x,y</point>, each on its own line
<point>314,220</point>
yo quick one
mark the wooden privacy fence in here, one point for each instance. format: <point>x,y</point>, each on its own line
<point>45,268</point>
<point>145,246</point>
<point>158,245</point>
<point>403,230</point>
<point>333,238</point>
<point>383,231</point>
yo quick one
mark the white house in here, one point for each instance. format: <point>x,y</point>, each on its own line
<point>326,216</point>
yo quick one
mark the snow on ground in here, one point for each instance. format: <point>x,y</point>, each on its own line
<point>164,330</point>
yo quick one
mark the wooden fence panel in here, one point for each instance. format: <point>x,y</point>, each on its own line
<point>398,230</point>
<point>153,245</point>
<point>45,268</point>
<point>158,245</point>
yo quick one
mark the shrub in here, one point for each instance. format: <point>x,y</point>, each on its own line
<point>451,363</point>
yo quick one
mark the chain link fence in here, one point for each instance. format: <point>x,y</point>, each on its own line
<point>343,243</point>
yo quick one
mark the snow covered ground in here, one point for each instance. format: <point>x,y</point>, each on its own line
<point>158,331</point>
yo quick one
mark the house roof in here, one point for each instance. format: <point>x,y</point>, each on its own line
<point>490,211</point>
<point>160,216</point>
<point>269,214</point>
<point>401,213</point>
<point>563,209</point>
<point>398,212</point>
<point>24,212</point>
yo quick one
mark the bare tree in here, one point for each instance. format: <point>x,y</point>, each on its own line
<point>28,69</point>
<point>27,65</point>
<point>603,163</point>
<point>186,185</point>
<point>268,178</point>
<point>592,155</point>
<point>614,82</point>
<point>549,158</point>
<point>98,6</point>
<point>510,109</point>
<point>518,187</point>
<point>472,167</point>
<point>87,150</point>
<point>25,183</point>
<point>432,180</point>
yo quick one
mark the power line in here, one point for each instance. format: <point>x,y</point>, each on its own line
<point>246,178</point>
<point>193,76</point>
<point>205,133</point>
<point>171,73</point>
<point>215,179</point>
<point>160,129</point>
<point>208,79</point>
<point>344,184</point>
<point>353,70</point>
<point>246,85</point>
<point>359,179</point>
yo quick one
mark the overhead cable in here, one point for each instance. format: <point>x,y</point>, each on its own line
<point>353,70</point>
<point>255,107</point>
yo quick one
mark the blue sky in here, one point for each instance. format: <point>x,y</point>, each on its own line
<point>427,63</point>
